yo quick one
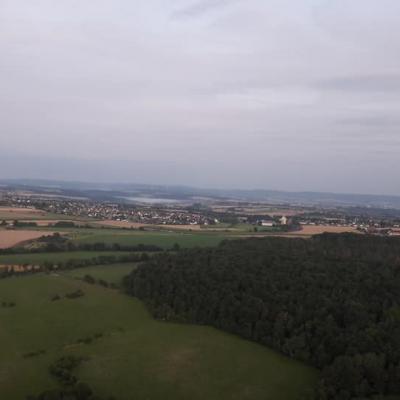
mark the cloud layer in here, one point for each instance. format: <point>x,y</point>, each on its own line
<point>274,94</point>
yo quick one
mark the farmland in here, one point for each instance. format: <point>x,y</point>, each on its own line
<point>11,238</point>
<point>158,238</point>
<point>40,258</point>
<point>310,230</point>
<point>137,356</point>
<point>19,213</point>
<point>127,224</point>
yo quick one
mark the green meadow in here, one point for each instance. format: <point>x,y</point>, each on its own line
<point>109,273</point>
<point>158,238</point>
<point>136,357</point>
<point>40,258</point>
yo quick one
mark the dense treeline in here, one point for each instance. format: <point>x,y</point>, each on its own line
<point>332,301</point>
<point>57,243</point>
<point>48,266</point>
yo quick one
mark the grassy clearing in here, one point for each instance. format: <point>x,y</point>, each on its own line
<point>40,258</point>
<point>109,273</point>
<point>137,357</point>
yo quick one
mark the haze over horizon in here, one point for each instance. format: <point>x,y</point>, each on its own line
<point>268,94</point>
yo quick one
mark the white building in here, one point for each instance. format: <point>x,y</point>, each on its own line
<point>283,220</point>
<point>267,223</point>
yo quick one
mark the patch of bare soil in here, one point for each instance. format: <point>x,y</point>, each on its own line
<point>318,229</point>
<point>178,361</point>
<point>10,238</point>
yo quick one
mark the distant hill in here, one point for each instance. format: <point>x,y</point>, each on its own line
<point>118,191</point>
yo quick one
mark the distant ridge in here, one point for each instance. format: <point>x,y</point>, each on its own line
<point>109,191</point>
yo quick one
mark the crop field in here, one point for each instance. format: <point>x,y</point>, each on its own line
<point>127,224</point>
<point>136,357</point>
<point>162,239</point>
<point>10,238</point>
<point>16,213</point>
<point>40,258</point>
<point>310,230</point>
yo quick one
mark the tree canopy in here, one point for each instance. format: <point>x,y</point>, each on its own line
<point>332,301</point>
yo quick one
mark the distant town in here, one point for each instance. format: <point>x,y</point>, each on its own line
<point>218,214</point>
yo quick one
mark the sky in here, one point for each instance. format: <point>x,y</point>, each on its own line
<point>273,94</point>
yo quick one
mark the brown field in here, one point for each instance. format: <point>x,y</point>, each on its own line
<point>136,225</point>
<point>311,230</point>
<point>10,238</point>
<point>318,229</point>
<point>20,213</point>
<point>34,215</point>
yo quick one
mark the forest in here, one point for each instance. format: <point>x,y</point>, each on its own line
<point>332,301</point>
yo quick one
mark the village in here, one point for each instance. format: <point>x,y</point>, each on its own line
<point>121,212</point>
<point>362,221</point>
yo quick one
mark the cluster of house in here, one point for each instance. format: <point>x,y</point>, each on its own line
<point>114,211</point>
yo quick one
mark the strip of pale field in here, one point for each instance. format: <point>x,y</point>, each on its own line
<point>136,225</point>
<point>19,212</point>
<point>259,210</point>
<point>318,229</point>
<point>164,227</point>
<point>9,238</point>
<point>50,222</point>
<point>307,231</point>
<point>34,215</point>
<point>311,230</point>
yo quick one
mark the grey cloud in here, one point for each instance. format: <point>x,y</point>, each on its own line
<point>202,7</point>
<point>379,122</point>
<point>389,83</point>
<point>243,93</point>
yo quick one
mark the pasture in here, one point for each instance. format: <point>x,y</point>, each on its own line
<point>159,238</point>
<point>109,273</point>
<point>136,357</point>
<point>41,258</point>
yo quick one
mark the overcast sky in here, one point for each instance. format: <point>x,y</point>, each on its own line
<point>274,94</point>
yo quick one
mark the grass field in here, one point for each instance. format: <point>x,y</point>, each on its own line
<point>138,357</point>
<point>109,273</point>
<point>162,239</point>
<point>15,213</point>
<point>39,258</point>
